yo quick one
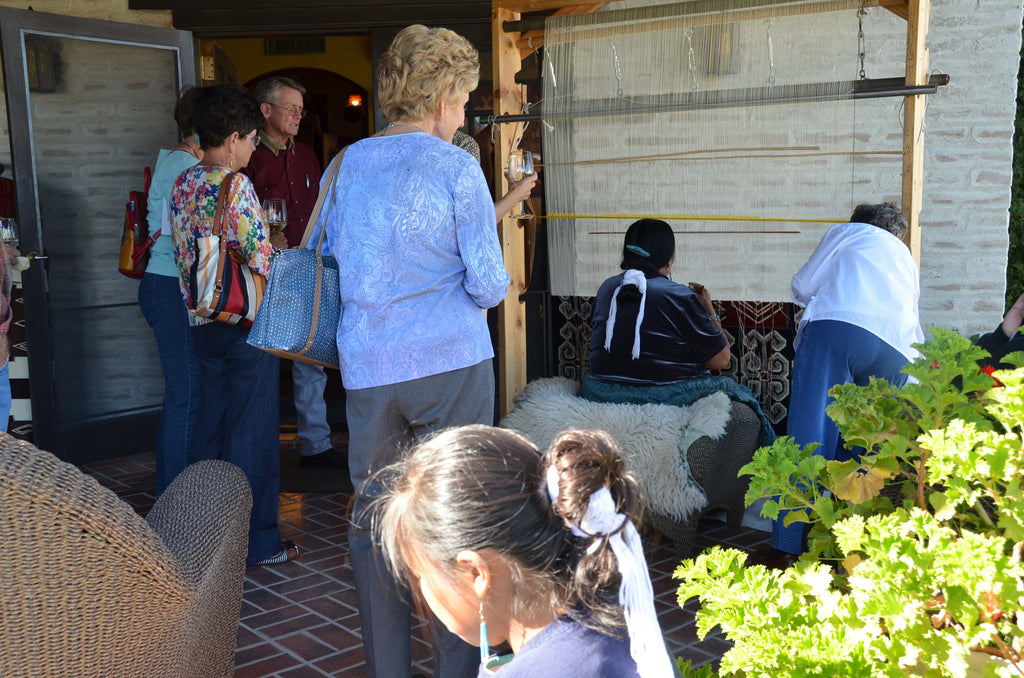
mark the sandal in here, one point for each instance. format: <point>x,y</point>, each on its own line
<point>289,551</point>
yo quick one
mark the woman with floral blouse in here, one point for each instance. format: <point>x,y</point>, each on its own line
<point>238,421</point>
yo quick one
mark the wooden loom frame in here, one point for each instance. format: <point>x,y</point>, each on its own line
<point>509,50</point>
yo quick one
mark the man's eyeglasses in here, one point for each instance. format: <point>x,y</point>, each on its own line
<point>291,110</point>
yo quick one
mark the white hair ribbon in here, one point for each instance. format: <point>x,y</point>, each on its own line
<point>636,595</point>
<point>638,279</point>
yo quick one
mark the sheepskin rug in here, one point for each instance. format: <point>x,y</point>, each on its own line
<point>653,438</point>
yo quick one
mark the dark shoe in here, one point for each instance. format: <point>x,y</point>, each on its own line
<point>289,551</point>
<point>327,459</point>
<point>773,558</point>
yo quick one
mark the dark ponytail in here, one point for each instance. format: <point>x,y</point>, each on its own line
<point>648,247</point>
<point>585,462</point>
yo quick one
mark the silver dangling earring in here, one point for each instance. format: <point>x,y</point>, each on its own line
<point>485,650</point>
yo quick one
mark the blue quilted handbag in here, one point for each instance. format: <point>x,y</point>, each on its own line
<point>301,309</point>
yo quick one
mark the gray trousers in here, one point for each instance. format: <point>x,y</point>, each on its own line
<point>311,410</point>
<point>383,421</point>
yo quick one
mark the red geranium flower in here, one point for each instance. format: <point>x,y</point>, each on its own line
<point>989,369</point>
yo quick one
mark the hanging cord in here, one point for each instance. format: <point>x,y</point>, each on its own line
<point>618,71</point>
<point>692,59</point>
<point>901,117</point>
<point>860,40</point>
<point>771,56</point>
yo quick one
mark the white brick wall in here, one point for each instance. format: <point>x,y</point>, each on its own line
<point>968,156</point>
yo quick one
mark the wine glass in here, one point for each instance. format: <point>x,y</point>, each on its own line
<point>275,214</point>
<point>9,237</point>
<point>520,166</point>
<point>9,232</point>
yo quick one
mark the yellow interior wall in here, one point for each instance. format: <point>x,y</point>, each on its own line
<point>348,56</point>
<point>109,10</point>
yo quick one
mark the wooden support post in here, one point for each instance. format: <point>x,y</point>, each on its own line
<point>508,98</point>
<point>913,125</point>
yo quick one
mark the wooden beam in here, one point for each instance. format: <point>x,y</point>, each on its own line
<point>534,39</point>
<point>301,20</point>
<point>508,98</point>
<point>900,8</point>
<point>913,123</point>
<point>523,6</point>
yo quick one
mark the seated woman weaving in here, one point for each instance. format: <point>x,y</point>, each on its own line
<point>654,340</point>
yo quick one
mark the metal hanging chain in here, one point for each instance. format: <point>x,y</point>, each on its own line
<point>860,40</point>
<point>692,59</point>
<point>618,70</point>
<point>771,56</point>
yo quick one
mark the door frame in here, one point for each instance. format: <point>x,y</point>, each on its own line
<point>14,23</point>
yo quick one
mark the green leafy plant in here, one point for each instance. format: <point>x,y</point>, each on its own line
<point>914,564</point>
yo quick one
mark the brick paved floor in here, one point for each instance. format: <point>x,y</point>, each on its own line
<point>299,619</point>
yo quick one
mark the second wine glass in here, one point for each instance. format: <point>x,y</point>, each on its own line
<point>275,214</point>
<point>520,166</point>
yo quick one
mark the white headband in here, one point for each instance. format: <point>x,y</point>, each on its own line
<point>630,277</point>
<point>636,595</point>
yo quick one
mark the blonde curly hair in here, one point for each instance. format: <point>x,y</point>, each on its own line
<point>423,67</point>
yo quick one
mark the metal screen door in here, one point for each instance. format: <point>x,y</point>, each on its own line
<point>89,104</point>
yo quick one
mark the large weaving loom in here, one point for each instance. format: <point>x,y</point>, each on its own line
<point>739,128</point>
<point>751,126</point>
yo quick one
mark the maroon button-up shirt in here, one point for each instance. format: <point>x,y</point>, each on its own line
<point>290,172</point>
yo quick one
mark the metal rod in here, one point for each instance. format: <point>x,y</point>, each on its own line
<point>780,94</point>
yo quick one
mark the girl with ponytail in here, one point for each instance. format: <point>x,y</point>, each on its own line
<point>504,544</point>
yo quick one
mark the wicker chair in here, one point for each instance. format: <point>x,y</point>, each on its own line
<point>89,588</point>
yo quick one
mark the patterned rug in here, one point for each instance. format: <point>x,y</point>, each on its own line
<point>760,334</point>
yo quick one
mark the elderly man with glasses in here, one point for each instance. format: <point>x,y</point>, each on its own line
<point>282,168</point>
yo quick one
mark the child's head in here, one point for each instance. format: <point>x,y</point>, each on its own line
<point>467,516</point>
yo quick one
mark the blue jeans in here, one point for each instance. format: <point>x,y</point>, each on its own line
<point>5,395</point>
<point>239,422</point>
<point>831,352</point>
<point>160,301</point>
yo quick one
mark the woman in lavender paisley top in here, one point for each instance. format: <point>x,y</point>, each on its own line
<point>238,421</point>
<point>411,224</point>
